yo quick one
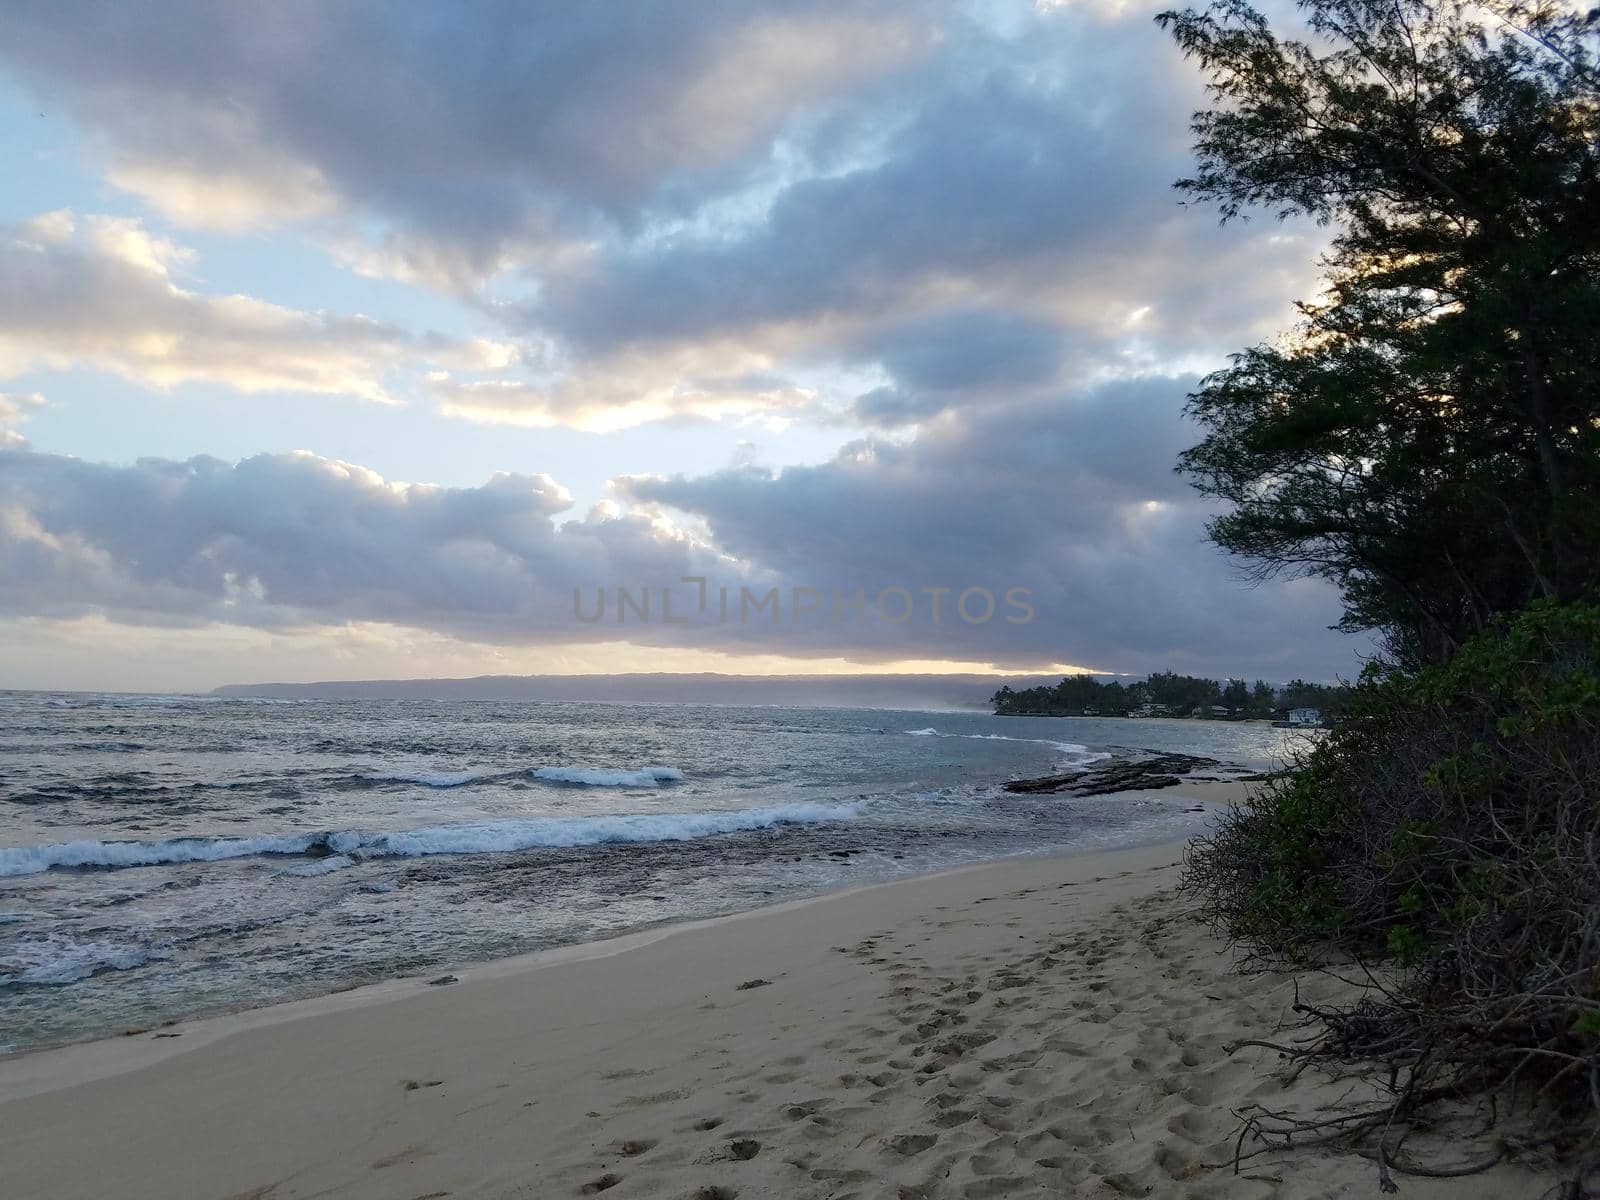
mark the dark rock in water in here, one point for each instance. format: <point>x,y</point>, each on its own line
<point>318,849</point>
<point>1118,775</point>
<point>753,983</point>
<point>442,980</point>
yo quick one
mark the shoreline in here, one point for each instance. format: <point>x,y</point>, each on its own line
<point>208,1024</point>
<point>1031,1026</point>
<point>44,1069</point>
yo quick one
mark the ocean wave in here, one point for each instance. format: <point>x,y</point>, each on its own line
<point>56,960</point>
<point>434,779</point>
<point>162,700</point>
<point>502,836</point>
<point>608,776</point>
<point>580,776</point>
<point>31,860</point>
<point>485,837</point>
<point>1078,754</point>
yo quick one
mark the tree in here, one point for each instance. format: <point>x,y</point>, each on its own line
<point>1262,699</point>
<point>1236,696</point>
<point>1429,436</point>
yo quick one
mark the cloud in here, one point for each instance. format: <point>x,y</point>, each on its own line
<point>279,541</point>
<point>476,129</point>
<point>1072,501</point>
<point>949,224</point>
<point>715,381</point>
<point>832,188</point>
<point>16,406</point>
<point>101,292</point>
<point>1012,227</point>
<point>230,199</point>
<point>1073,498</point>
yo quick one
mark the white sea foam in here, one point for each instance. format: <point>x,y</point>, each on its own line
<point>476,838</point>
<point>1079,755</point>
<point>582,776</point>
<point>58,959</point>
<point>322,866</point>
<point>608,776</point>
<point>30,860</point>
<point>499,836</point>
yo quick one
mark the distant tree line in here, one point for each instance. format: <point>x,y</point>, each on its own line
<point>1178,695</point>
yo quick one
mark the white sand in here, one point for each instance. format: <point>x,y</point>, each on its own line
<point>1037,1027</point>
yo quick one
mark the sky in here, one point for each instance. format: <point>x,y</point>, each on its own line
<point>382,340</point>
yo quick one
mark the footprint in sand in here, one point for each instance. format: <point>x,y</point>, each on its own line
<point>632,1073</point>
<point>604,1183</point>
<point>653,1098</point>
<point>908,1144</point>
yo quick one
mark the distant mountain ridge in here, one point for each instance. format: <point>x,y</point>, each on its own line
<point>828,691</point>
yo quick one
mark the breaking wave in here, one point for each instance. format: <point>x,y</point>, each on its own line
<point>486,837</point>
<point>580,776</point>
<point>609,777</point>
<point>1077,754</point>
<point>55,960</point>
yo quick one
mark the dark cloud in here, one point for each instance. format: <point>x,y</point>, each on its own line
<point>984,178</point>
<point>971,349</point>
<point>474,127</point>
<point>285,540</point>
<point>1016,222</point>
<point>1073,498</point>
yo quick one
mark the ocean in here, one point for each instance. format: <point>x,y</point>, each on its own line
<point>162,856</point>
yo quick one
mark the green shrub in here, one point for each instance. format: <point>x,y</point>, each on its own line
<point>1451,825</point>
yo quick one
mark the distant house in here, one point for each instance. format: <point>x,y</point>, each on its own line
<point>1152,710</point>
<point>1305,717</point>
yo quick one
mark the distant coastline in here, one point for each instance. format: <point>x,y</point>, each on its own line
<point>914,692</point>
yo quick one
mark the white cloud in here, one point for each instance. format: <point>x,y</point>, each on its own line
<point>15,406</point>
<point>230,200</point>
<point>103,292</point>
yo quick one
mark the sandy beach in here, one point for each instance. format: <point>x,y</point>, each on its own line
<point>1033,1027</point>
